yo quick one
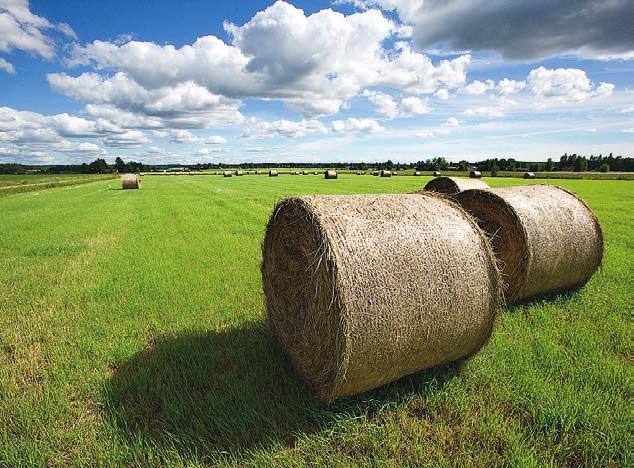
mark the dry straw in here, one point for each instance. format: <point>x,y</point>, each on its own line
<point>545,238</point>
<point>385,173</point>
<point>529,175</point>
<point>330,174</point>
<point>353,310</point>
<point>130,181</point>
<point>453,185</point>
<point>273,173</point>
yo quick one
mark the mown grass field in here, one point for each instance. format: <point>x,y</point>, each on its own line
<point>132,332</point>
<point>10,184</point>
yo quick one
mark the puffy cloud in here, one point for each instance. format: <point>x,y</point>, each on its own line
<point>520,30</point>
<point>478,87</point>
<point>442,94</point>
<point>186,137</point>
<point>388,106</point>
<point>22,30</point>
<point>6,66</point>
<point>452,122</point>
<point>357,125</point>
<point>314,64</point>
<point>128,139</point>
<point>485,111</point>
<point>286,128</point>
<point>565,84</point>
<point>506,87</point>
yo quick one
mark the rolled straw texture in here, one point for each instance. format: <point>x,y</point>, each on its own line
<point>352,310</point>
<point>130,181</point>
<point>453,185</point>
<point>546,238</point>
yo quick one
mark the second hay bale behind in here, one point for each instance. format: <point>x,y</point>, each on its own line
<point>546,239</point>
<point>453,185</point>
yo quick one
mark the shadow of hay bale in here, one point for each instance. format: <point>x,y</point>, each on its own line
<point>229,391</point>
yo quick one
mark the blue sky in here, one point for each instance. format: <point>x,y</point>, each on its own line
<point>348,80</point>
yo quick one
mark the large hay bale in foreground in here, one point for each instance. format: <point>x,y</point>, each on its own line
<point>330,174</point>
<point>453,185</point>
<point>545,238</point>
<point>273,173</point>
<point>130,181</point>
<point>350,315</point>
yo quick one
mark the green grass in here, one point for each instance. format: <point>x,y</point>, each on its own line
<point>34,182</point>
<point>131,332</point>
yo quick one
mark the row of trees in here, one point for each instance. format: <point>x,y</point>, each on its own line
<point>573,162</point>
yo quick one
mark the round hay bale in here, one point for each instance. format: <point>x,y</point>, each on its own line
<point>375,173</point>
<point>453,185</point>
<point>226,174</point>
<point>546,239</point>
<point>437,174</point>
<point>394,173</point>
<point>273,173</point>
<point>130,181</point>
<point>360,173</point>
<point>475,174</point>
<point>304,172</point>
<point>330,174</point>
<point>352,318</point>
<point>386,173</point>
<point>529,175</point>
<point>239,173</point>
<point>418,173</point>
<point>315,173</point>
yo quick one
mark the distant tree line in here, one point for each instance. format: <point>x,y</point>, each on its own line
<point>573,162</point>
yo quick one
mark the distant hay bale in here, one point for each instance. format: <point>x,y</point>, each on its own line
<point>475,174</point>
<point>315,173</point>
<point>130,181</point>
<point>330,174</point>
<point>529,175</point>
<point>545,238</point>
<point>453,185</point>
<point>273,173</point>
<point>352,318</point>
<point>360,173</point>
<point>239,173</point>
<point>394,172</point>
<point>304,172</point>
<point>386,173</point>
<point>437,174</point>
<point>226,174</point>
<point>418,173</point>
<point>375,173</point>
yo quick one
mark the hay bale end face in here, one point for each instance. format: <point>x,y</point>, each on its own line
<point>418,173</point>
<point>239,173</point>
<point>386,173</point>
<point>437,174</point>
<point>475,174</point>
<point>375,173</point>
<point>226,174</point>
<point>529,175</point>
<point>130,181</point>
<point>330,174</point>
<point>273,174</point>
<point>453,185</point>
<point>351,317</point>
<point>546,239</point>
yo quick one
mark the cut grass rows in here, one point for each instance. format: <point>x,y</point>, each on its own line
<point>132,331</point>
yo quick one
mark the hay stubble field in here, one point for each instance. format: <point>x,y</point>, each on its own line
<point>132,332</point>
